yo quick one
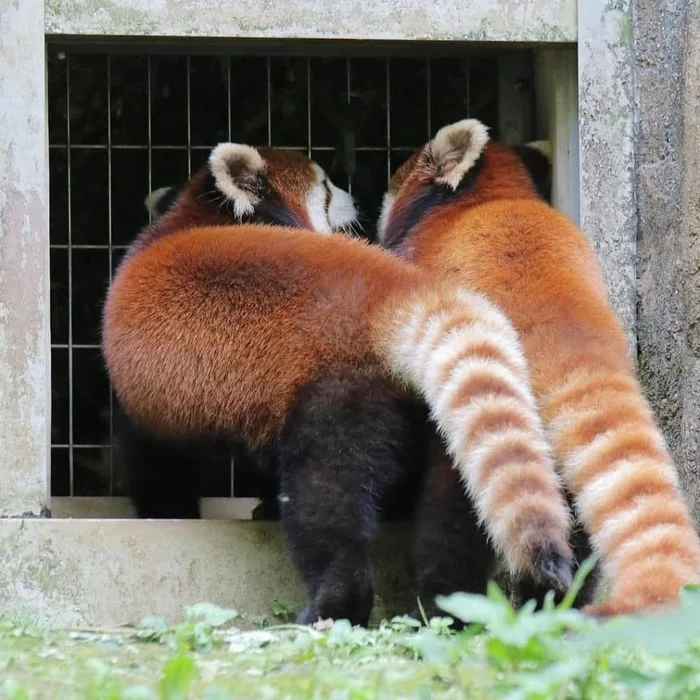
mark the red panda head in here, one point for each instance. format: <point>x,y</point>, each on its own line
<point>244,185</point>
<point>459,168</point>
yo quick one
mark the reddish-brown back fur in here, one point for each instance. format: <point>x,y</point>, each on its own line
<point>274,322</point>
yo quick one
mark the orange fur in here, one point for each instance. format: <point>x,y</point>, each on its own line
<point>497,237</point>
<point>272,321</point>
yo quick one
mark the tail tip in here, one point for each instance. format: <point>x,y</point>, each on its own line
<point>553,566</point>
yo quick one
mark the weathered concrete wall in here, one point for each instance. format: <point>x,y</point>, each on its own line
<point>689,452</point>
<point>440,20</point>
<point>606,133</point>
<point>111,572</point>
<point>24,261</point>
<point>659,42</point>
<point>667,75</point>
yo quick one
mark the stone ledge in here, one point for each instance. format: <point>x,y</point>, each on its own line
<point>541,21</point>
<point>111,572</point>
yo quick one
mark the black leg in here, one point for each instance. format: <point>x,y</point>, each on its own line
<point>162,476</point>
<point>451,552</point>
<point>346,446</point>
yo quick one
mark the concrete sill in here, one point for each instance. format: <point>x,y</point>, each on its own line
<point>111,572</point>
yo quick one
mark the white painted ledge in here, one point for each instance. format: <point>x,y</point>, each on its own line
<point>395,20</point>
<point>121,508</point>
<point>112,572</point>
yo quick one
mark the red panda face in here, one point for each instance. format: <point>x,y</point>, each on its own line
<point>241,184</point>
<point>459,168</point>
<point>265,181</point>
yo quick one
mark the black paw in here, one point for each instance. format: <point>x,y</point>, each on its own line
<point>308,615</point>
<point>339,604</point>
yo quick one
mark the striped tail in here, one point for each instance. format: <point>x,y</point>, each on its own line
<point>464,357</point>
<point>617,465</point>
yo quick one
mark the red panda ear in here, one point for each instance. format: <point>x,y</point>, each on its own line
<point>239,174</point>
<point>455,149</point>
<point>543,147</point>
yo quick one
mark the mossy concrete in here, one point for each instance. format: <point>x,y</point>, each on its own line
<point>112,572</point>
<point>606,135</point>
<point>688,452</point>
<point>667,180</point>
<point>541,21</point>
<point>24,261</point>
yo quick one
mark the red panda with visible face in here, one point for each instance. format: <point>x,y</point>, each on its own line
<point>231,318</point>
<point>465,209</point>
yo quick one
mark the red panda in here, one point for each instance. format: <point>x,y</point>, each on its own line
<point>231,318</point>
<point>465,209</point>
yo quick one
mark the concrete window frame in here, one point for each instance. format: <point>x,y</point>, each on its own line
<point>585,92</point>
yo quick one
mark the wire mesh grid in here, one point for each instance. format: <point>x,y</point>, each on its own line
<point>121,125</point>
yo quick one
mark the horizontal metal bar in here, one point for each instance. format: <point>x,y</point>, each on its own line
<point>183,147</point>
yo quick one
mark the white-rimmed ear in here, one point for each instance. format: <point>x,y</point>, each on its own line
<point>387,205</point>
<point>456,148</point>
<point>238,172</point>
<point>159,200</point>
<point>544,147</point>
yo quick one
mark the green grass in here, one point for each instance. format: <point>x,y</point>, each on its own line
<point>215,654</point>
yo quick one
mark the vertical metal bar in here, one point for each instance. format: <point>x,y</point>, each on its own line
<point>467,86</point>
<point>109,255</point>
<point>70,281</point>
<point>308,107</point>
<point>149,143</point>
<point>269,104</point>
<point>229,93</point>
<point>428,89</point>
<point>229,88</point>
<point>388,121</point>
<point>189,120</point>
<point>348,88</point>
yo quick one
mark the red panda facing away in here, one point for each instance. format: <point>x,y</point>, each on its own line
<point>232,318</point>
<point>465,209</point>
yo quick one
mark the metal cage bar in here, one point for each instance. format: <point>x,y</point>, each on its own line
<point>397,127</point>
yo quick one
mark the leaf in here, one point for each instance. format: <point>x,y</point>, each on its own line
<point>153,623</point>
<point>547,683</point>
<point>284,609</point>
<point>670,632</point>
<point>690,595</point>
<point>469,607</point>
<point>577,584</point>
<point>178,674</point>
<point>136,692</point>
<point>210,614</point>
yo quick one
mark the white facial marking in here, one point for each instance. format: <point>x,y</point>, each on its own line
<point>387,206</point>
<point>316,204</point>
<point>329,213</point>
<point>227,161</point>
<point>342,213</point>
